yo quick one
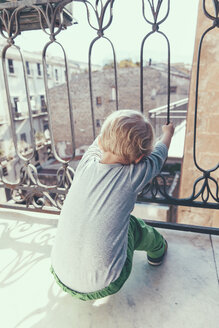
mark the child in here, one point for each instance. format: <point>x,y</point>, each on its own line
<point>96,235</point>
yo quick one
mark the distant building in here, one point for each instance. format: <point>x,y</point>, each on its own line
<point>104,100</point>
<point>56,74</point>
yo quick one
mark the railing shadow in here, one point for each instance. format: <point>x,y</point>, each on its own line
<point>62,310</point>
<point>28,244</point>
<point>145,287</point>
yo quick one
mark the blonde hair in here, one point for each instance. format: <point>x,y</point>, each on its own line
<point>127,134</point>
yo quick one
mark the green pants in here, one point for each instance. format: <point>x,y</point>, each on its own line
<point>141,237</point>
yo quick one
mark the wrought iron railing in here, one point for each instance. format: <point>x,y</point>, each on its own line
<point>157,190</point>
<point>51,19</point>
<point>15,17</point>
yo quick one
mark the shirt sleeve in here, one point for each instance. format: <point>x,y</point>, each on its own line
<point>92,152</point>
<point>148,167</point>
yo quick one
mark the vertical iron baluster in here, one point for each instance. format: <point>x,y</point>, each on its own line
<point>196,100</point>
<point>12,20</point>
<point>100,31</point>
<point>49,15</point>
<point>215,20</point>
<point>48,101</point>
<point>155,29</point>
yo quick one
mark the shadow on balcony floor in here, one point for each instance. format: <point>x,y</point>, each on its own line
<point>183,292</point>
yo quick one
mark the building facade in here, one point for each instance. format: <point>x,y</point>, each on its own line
<point>104,99</point>
<point>15,66</point>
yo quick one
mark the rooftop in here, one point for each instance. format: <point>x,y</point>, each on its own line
<point>183,292</point>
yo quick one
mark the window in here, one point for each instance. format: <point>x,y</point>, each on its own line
<point>16,107</point>
<point>28,68</point>
<point>153,94</point>
<point>39,69</point>
<point>42,102</point>
<point>98,123</point>
<point>48,70</point>
<point>4,171</point>
<point>15,104</point>
<point>32,102</point>
<point>173,89</point>
<point>23,137</point>
<point>36,156</point>
<point>98,100</point>
<point>45,126</point>
<point>113,94</point>
<point>56,75</point>
<point>10,66</point>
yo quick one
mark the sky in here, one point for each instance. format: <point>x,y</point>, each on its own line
<point>127,30</point>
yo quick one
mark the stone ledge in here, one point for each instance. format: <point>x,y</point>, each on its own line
<point>183,292</point>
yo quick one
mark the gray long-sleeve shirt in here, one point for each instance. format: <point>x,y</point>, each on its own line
<point>91,242</point>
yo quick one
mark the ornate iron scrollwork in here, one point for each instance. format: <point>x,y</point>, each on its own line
<point>155,24</point>
<point>100,11</point>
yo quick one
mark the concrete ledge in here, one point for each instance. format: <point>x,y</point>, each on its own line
<point>151,211</point>
<point>181,293</point>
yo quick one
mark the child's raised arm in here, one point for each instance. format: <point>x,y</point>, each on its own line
<point>168,131</point>
<point>150,166</point>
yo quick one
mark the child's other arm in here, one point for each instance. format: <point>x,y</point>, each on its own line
<point>92,151</point>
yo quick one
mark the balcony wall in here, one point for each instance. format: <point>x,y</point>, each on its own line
<point>207,122</point>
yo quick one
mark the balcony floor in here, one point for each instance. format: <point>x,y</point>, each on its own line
<point>183,292</point>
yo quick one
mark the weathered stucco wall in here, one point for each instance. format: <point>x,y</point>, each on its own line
<point>207,145</point>
<point>103,81</point>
